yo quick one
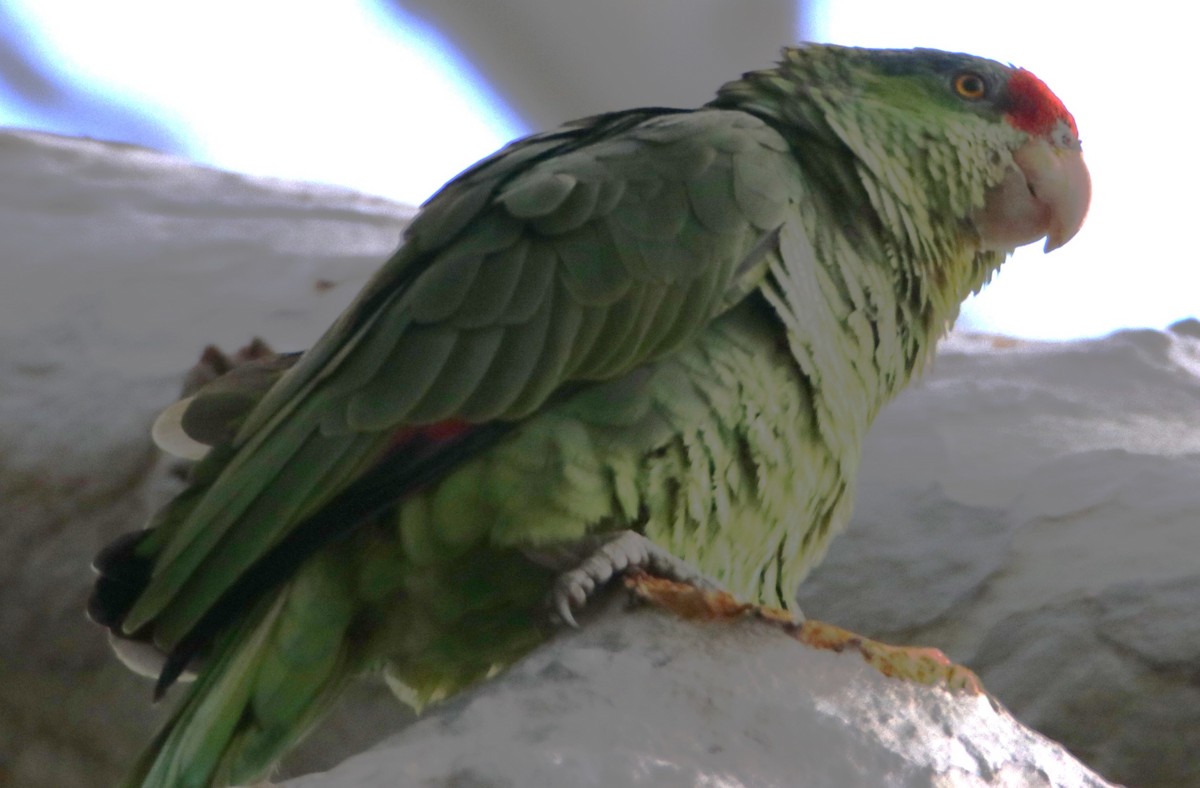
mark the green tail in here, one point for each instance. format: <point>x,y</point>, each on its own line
<point>267,680</point>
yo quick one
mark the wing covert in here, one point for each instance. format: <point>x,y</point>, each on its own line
<point>574,255</point>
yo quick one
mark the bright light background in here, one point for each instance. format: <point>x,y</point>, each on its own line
<point>349,93</point>
<point>354,94</point>
<point>1119,69</point>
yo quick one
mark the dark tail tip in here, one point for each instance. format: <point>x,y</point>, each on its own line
<point>123,576</point>
<point>177,662</point>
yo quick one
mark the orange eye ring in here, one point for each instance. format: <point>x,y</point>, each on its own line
<point>970,86</point>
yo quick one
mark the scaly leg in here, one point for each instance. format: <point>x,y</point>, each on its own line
<point>595,561</point>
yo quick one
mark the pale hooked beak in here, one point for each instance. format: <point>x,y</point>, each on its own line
<point>1045,196</point>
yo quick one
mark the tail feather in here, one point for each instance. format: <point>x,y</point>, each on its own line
<point>123,575</point>
<point>266,682</point>
<point>127,565</point>
<point>218,394</point>
<point>246,578</point>
<point>192,526</point>
<point>292,480</point>
<point>187,750</point>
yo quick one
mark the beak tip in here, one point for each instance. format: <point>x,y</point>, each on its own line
<point>1061,185</point>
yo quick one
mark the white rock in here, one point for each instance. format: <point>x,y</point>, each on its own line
<point>1033,510</point>
<point>646,699</point>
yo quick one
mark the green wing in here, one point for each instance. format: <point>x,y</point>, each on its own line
<point>571,256</point>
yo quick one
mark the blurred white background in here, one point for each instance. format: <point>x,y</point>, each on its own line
<point>393,97</point>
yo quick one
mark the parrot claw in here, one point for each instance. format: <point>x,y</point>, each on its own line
<point>624,551</point>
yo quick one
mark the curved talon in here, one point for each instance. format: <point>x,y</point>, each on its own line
<point>624,551</point>
<point>562,612</point>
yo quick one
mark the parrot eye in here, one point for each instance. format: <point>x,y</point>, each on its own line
<point>970,85</point>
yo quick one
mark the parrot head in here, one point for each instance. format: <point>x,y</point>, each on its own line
<point>936,135</point>
<point>1036,183</point>
<point>1046,194</point>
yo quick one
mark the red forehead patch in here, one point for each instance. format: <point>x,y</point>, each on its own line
<point>1033,107</point>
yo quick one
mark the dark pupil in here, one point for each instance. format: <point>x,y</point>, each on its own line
<point>972,85</point>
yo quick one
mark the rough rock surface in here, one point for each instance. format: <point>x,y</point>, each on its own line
<point>647,699</point>
<point>1030,508</point>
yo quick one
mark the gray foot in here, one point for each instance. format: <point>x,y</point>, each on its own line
<point>623,551</point>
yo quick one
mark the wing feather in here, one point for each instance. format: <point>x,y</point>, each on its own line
<point>568,257</point>
<point>494,289</point>
<point>473,355</point>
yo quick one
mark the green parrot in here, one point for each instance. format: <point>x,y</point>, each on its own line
<point>652,338</point>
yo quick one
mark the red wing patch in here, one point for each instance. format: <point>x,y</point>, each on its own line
<point>430,433</point>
